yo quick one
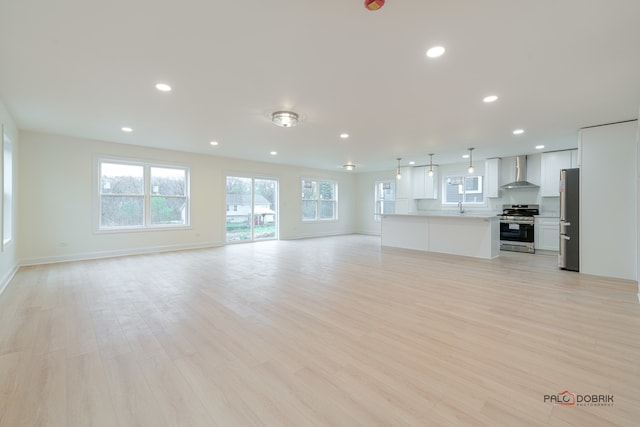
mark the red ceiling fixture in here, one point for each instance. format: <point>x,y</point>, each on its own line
<point>373,4</point>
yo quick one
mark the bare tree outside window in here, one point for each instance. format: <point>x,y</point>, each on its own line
<point>141,195</point>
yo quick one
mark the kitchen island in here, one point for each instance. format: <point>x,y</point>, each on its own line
<point>458,234</point>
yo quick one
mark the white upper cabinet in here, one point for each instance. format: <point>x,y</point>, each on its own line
<point>403,185</point>
<point>492,177</point>
<point>575,160</point>
<point>424,185</point>
<point>552,163</point>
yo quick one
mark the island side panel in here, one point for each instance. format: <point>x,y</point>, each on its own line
<point>405,231</point>
<point>473,237</point>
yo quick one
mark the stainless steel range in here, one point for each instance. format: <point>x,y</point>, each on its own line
<point>516,227</point>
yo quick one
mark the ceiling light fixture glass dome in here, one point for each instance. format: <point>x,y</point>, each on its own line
<point>285,119</point>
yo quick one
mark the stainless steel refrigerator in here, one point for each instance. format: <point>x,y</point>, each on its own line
<point>569,257</point>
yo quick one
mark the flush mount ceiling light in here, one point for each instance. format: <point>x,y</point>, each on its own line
<point>470,169</point>
<point>490,98</point>
<point>518,131</point>
<point>285,119</point>
<point>127,129</point>
<point>163,87</point>
<point>539,147</point>
<point>214,143</point>
<point>398,174</point>
<point>344,135</point>
<point>435,52</point>
<point>349,166</point>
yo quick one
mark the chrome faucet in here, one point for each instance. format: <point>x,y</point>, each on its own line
<point>460,208</point>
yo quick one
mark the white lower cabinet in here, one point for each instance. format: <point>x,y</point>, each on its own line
<point>547,234</point>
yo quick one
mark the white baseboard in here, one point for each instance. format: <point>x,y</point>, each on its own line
<point>7,278</point>
<point>314,236</point>
<point>117,253</point>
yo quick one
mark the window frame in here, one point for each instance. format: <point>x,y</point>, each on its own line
<point>147,195</point>
<point>7,204</point>
<point>379,201</point>
<point>318,200</point>
<point>478,190</point>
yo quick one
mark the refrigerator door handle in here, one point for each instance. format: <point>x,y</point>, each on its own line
<point>565,237</point>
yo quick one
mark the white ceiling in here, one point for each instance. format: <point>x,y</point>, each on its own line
<point>87,68</point>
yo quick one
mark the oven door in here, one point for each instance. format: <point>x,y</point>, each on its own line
<point>516,231</point>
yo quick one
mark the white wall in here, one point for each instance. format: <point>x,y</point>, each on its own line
<point>608,200</point>
<point>56,175</point>
<point>365,203</point>
<point>8,255</point>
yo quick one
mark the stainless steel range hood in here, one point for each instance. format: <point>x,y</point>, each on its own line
<point>521,175</point>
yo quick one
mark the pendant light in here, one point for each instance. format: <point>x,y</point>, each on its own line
<point>470,169</point>
<point>398,174</point>
<point>431,164</point>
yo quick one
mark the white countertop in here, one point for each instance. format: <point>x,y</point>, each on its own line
<point>471,215</point>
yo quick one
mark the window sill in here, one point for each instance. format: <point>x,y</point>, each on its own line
<point>142,229</point>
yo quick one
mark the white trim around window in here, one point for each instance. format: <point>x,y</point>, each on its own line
<point>8,189</point>
<point>463,189</point>
<point>319,200</point>
<point>136,195</point>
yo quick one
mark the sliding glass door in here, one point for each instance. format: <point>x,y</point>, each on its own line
<point>252,205</point>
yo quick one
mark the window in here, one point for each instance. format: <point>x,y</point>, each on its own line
<point>168,196</point>
<point>7,198</point>
<point>465,189</point>
<point>385,198</point>
<point>319,200</point>
<point>139,195</point>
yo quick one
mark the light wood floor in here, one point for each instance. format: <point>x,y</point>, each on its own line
<point>322,332</point>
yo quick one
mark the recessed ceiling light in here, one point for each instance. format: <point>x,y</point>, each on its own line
<point>412,163</point>
<point>127,129</point>
<point>435,52</point>
<point>539,147</point>
<point>344,135</point>
<point>465,156</point>
<point>273,153</point>
<point>518,131</point>
<point>213,143</point>
<point>163,87</point>
<point>490,98</point>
